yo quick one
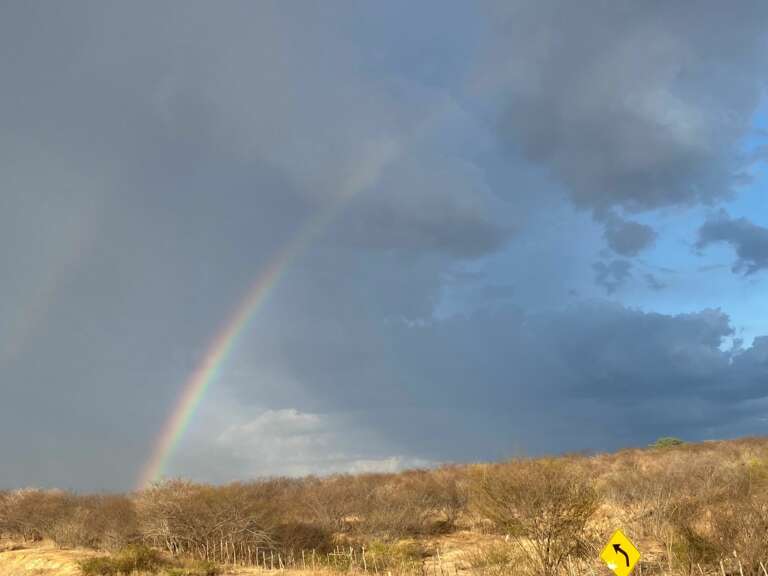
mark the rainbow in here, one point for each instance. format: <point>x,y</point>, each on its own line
<point>217,353</point>
<point>207,370</point>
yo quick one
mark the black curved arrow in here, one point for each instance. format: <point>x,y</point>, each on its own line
<point>617,548</point>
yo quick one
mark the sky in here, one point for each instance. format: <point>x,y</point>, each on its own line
<point>513,228</point>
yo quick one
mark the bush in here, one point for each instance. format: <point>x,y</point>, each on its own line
<point>393,555</point>
<point>496,559</point>
<point>740,528</point>
<point>143,560</point>
<point>199,568</point>
<point>403,551</point>
<point>724,516</point>
<point>100,522</point>
<point>412,503</point>
<point>125,562</point>
<point>542,505</point>
<point>101,566</point>
<point>690,546</point>
<point>35,514</point>
<point>191,518</point>
<point>666,442</point>
<point>302,536</point>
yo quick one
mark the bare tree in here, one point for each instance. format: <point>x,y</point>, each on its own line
<point>203,521</point>
<point>543,506</point>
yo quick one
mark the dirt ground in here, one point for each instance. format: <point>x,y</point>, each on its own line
<point>39,560</point>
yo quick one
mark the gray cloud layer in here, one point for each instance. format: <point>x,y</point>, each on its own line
<point>630,105</point>
<point>626,237</point>
<point>749,240</point>
<point>608,372</point>
<point>612,274</point>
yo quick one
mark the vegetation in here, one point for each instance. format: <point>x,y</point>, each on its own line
<point>126,562</point>
<point>692,509</point>
<point>543,505</point>
<point>494,559</point>
<point>666,442</point>
<point>144,560</point>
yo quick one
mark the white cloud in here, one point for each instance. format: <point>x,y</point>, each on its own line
<point>293,443</point>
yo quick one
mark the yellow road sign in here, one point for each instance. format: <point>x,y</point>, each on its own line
<point>620,555</point>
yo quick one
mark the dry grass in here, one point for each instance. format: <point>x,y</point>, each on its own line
<point>42,559</point>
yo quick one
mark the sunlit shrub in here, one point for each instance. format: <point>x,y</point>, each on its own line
<point>542,505</point>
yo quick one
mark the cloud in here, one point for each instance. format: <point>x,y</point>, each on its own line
<point>612,274</point>
<point>594,375</point>
<point>711,267</point>
<point>148,182</point>
<point>654,283</point>
<point>749,240</point>
<point>627,105</point>
<point>288,442</point>
<point>498,292</point>
<point>760,153</point>
<point>627,238</point>
<point>384,148</point>
<point>422,204</point>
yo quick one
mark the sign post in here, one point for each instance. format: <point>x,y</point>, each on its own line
<point>620,555</point>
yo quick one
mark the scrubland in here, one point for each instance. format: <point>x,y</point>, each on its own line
<point>691,509</point>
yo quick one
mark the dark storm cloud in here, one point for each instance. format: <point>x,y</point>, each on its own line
<point>565,379</point>
<point>749,240</point>
<point>449,216</point>
<point>627,238</point>
<point>630,105</point>
<point>153,162</point>
<point>612,274</point>
<point>384,148</point>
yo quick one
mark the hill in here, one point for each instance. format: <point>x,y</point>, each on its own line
<point>689,508</point>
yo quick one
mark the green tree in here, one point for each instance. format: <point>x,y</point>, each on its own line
<point>666,442</point>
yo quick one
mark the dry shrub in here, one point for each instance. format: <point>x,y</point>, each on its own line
<point>292,536</point>
<point>35,514</point>
<point>696,502</point>
<point>193,519</point>
<point>335,503</point>
<point>542,505</point>
<point>135,559</point>
<point>404,505</point>
<point>383,555</point>
<point>411,503</point>
<point>193,568</point>
<point>495,559</point>
<point>725,517</point>
<point>739,517</point>
<point>101,566</point>
<point>103,522</point>
<point>689,541</point>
